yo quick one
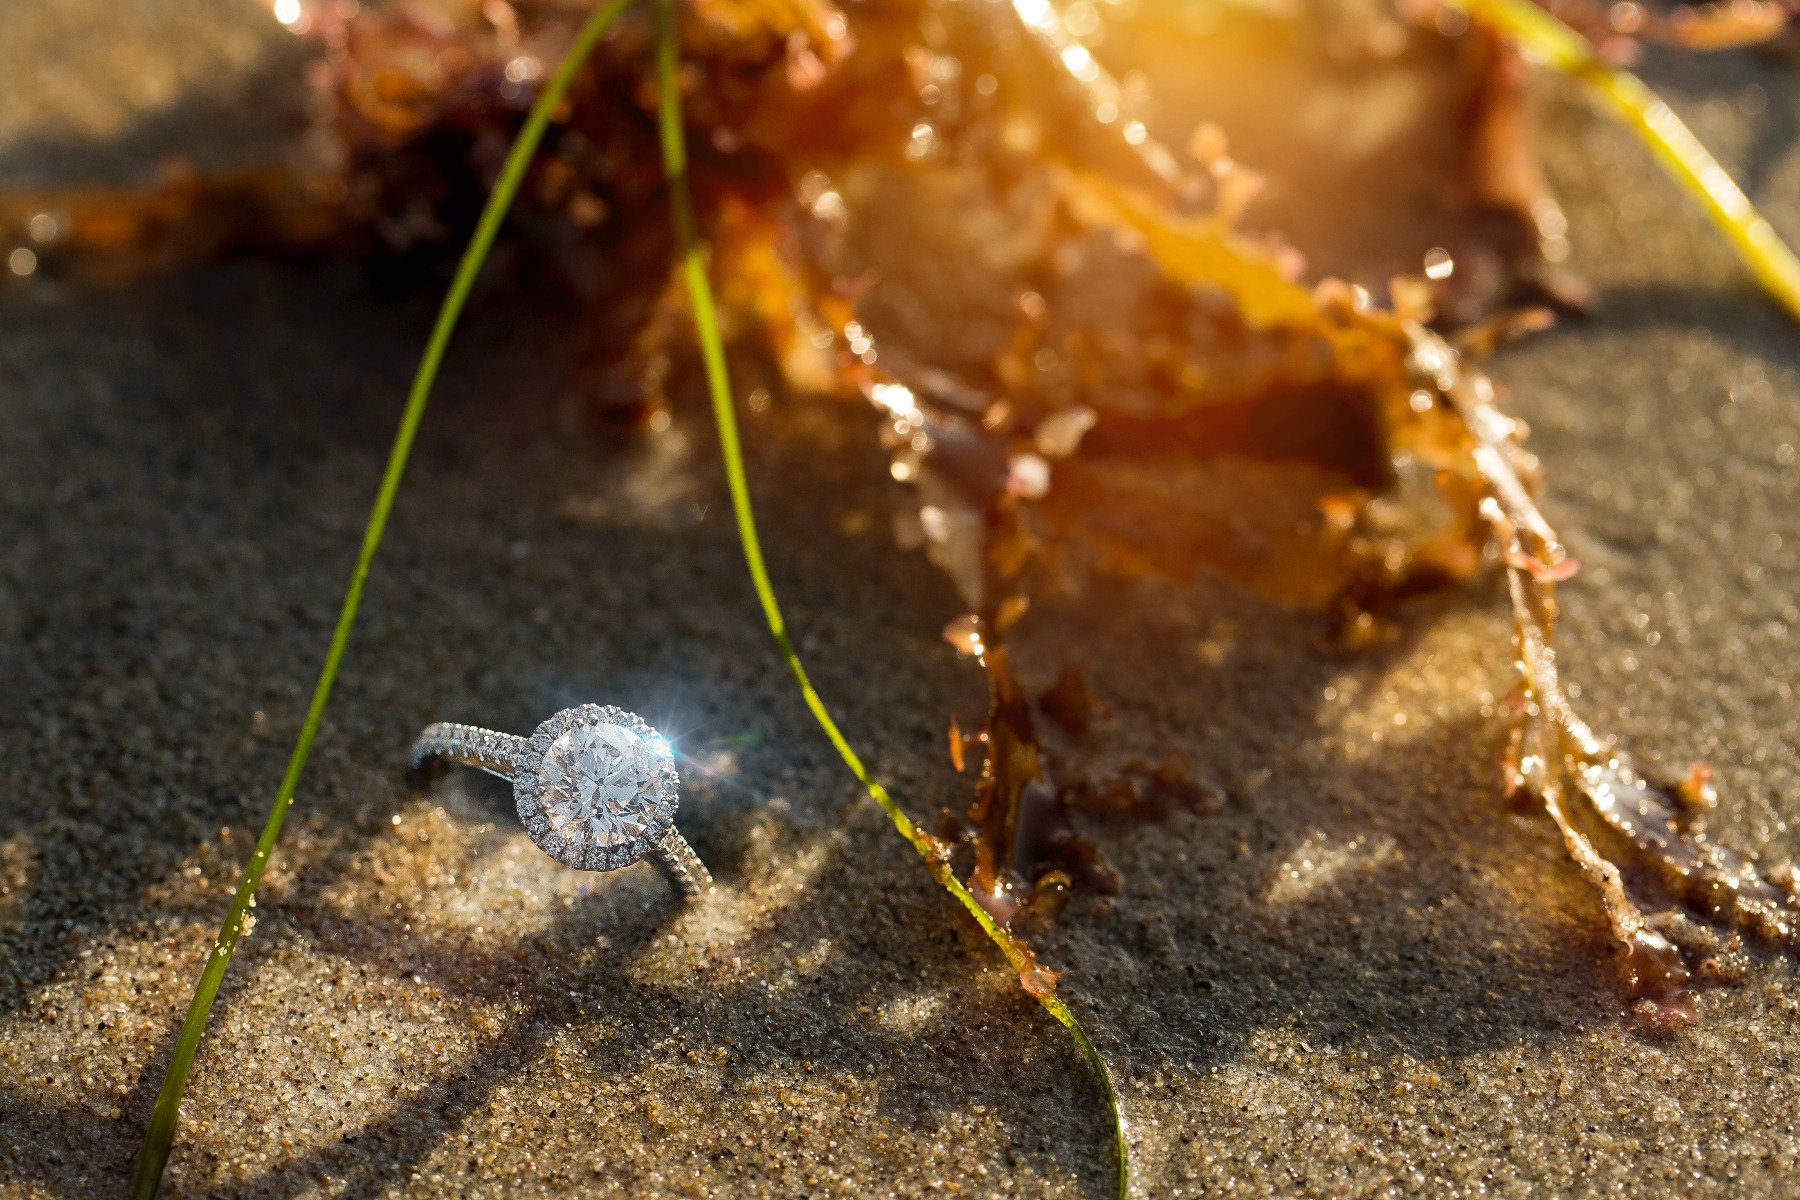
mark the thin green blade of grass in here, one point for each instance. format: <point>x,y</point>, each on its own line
<point>164,1116</point>
<point>1671,142</point>
<point>712,351</point>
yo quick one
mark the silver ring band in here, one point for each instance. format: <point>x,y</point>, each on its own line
<point>595,788</point>
<point>470,745</point>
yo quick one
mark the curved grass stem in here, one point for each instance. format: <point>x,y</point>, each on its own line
<point>1673,143</point>
<point>163,1118</point>
<point>712,350</point>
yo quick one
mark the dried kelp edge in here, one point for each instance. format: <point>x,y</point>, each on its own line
<point>1037,980</point>
<point>1572,770</point>
<point>159,1137</point>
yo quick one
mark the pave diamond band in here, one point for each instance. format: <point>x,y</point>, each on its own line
<point>470,745</point>
<point>595,787</point>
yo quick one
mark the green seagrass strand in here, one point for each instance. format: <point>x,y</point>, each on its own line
<point>161,1133</point>
<point>718,382</point>
<point>1672,143</point>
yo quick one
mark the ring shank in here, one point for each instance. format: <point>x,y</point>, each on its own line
<point>485,749</point>
<point>683,865</point>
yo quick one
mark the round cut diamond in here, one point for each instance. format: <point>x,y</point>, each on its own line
<point>602,784</point>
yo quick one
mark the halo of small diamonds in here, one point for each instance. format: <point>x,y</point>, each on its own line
<point>596,788</point>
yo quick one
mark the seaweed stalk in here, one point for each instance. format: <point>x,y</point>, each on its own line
<point>1035,979</point>
<point>164,1116</point>
<point>1587,785</point>
<point>1670,141</point>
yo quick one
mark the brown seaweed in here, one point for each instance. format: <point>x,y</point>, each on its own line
<point>1590,789</point>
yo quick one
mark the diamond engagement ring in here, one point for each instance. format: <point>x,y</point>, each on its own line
<point>596,787</point>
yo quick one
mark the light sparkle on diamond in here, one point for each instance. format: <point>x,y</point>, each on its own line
<point>600,784</point>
